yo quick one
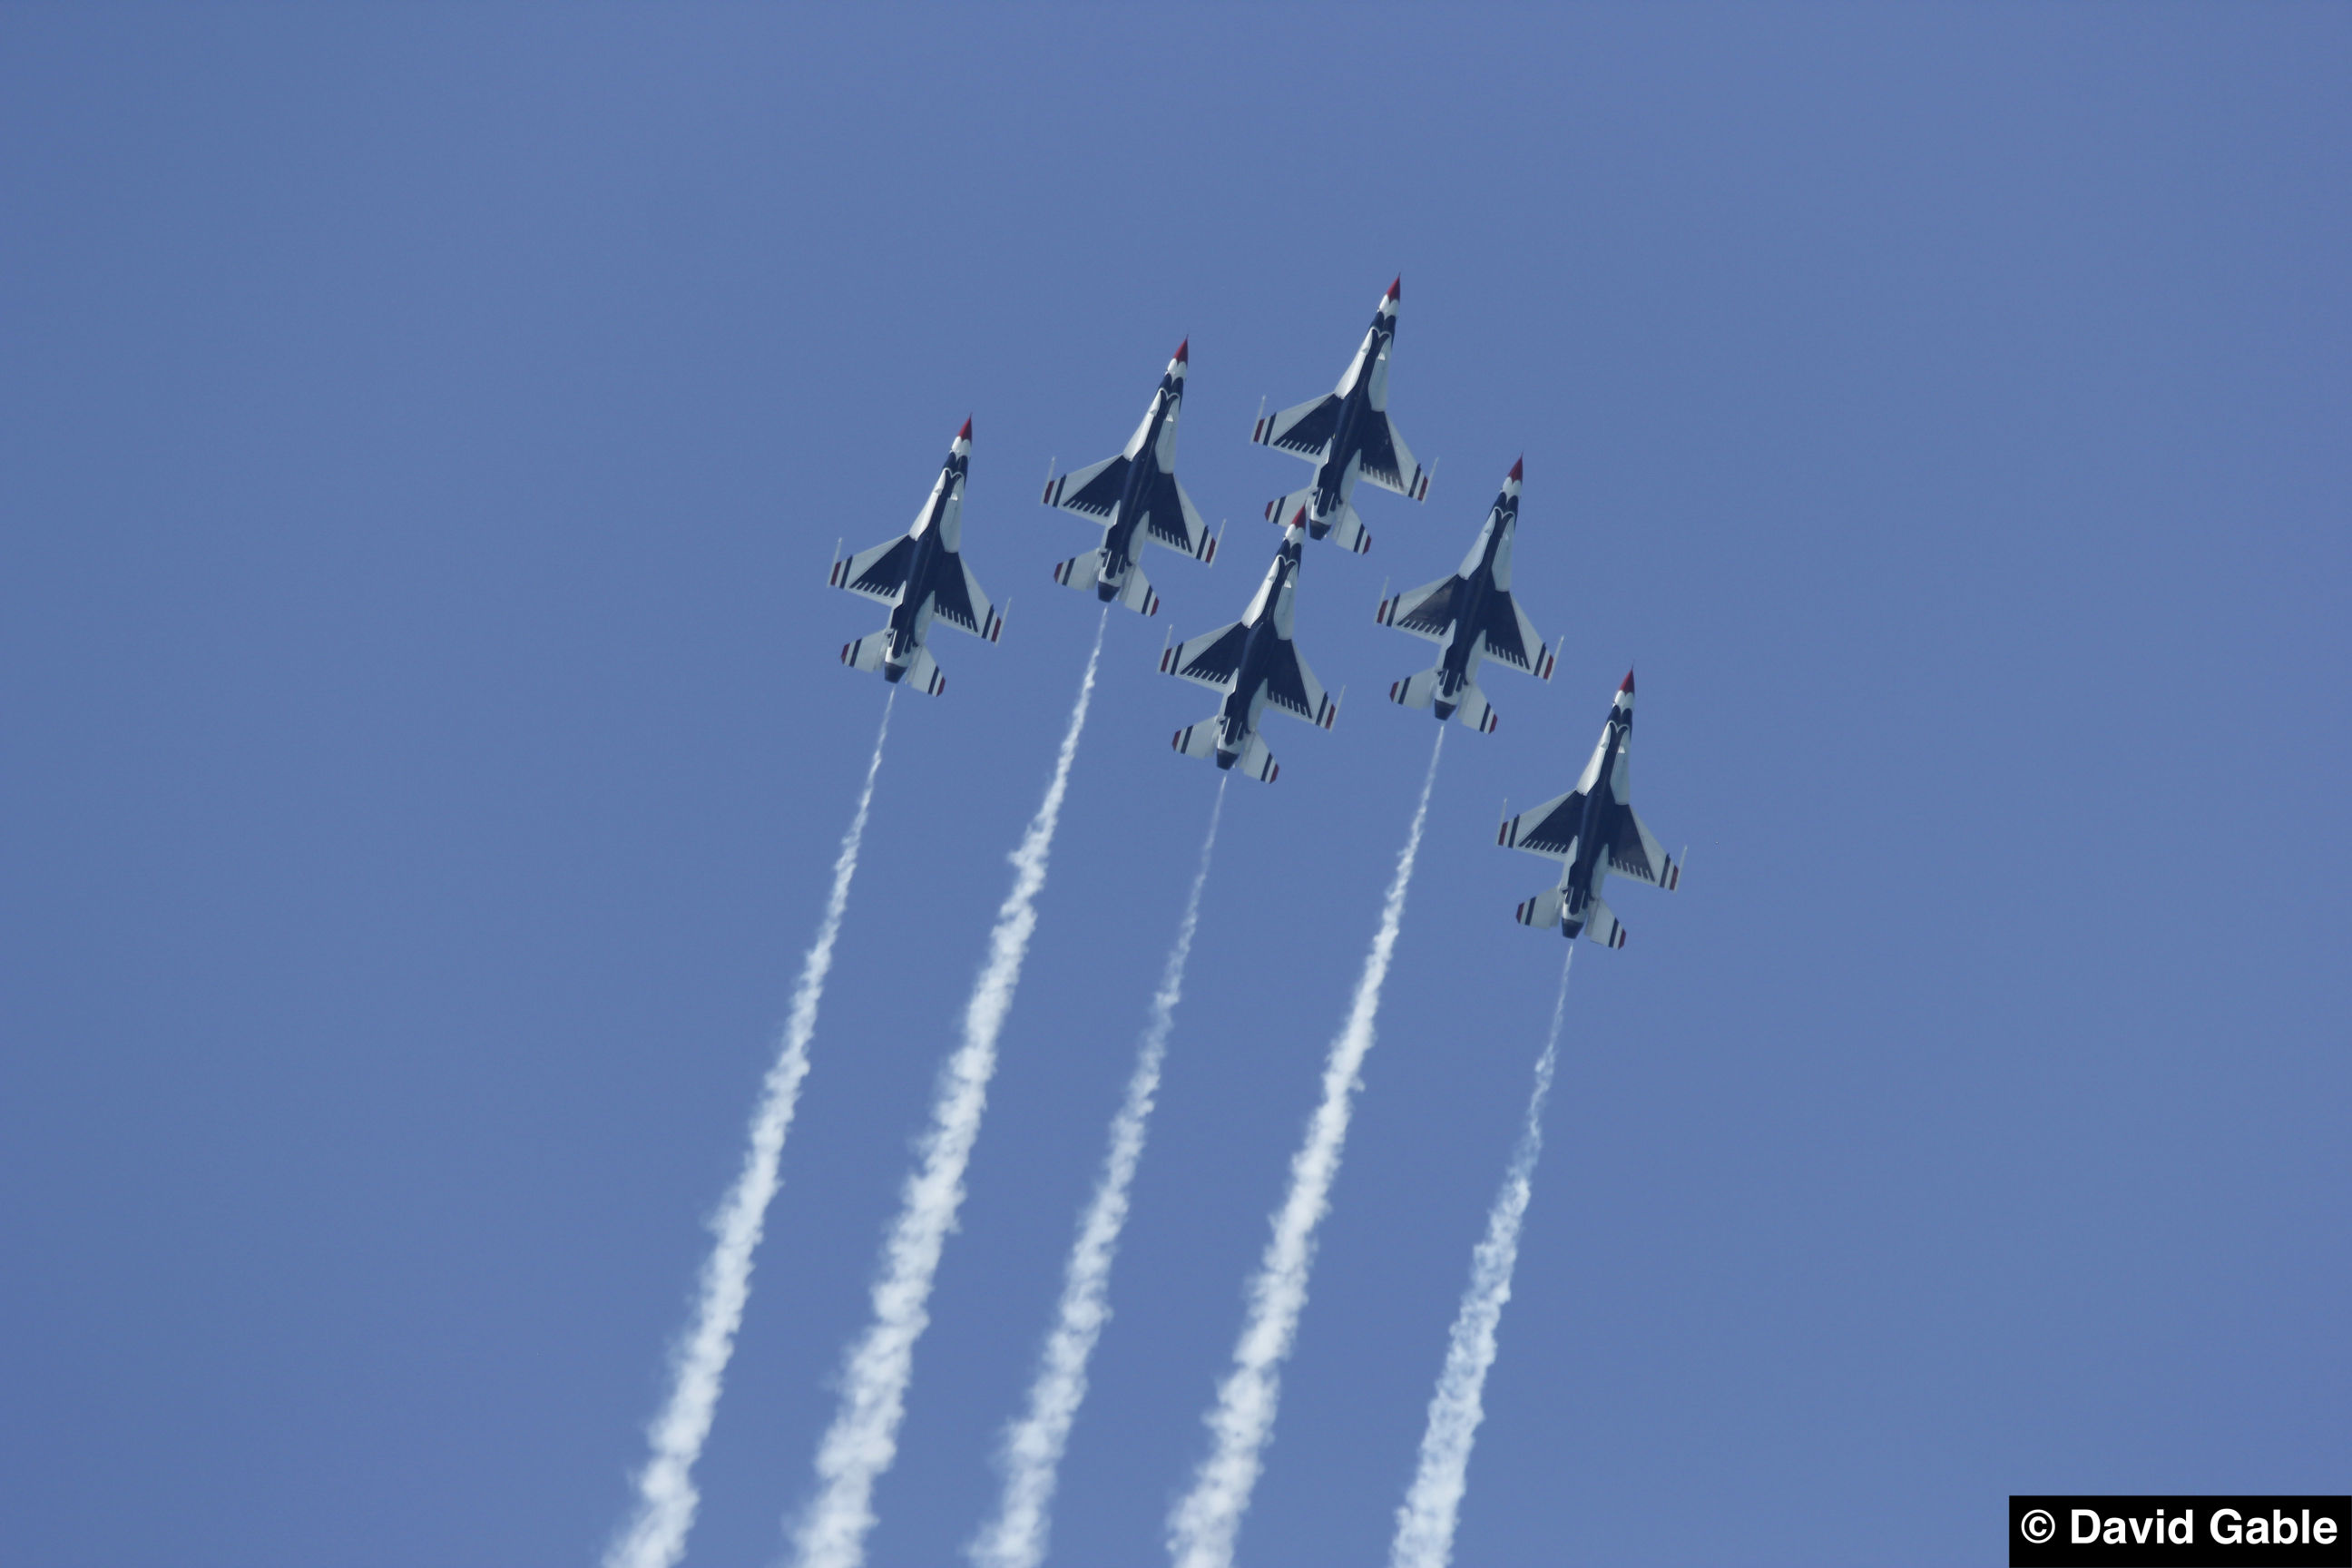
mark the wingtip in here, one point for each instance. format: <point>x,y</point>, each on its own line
<point>1183,351</point>
<point>965,434</point>
<point>1516,464</point>
<point>1396,289</point>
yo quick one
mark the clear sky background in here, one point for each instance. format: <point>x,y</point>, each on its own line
<point>422,436</point>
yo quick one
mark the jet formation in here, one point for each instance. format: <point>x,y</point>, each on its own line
<point>1253,663</point>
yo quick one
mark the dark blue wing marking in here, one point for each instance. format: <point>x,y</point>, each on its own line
<point>952,603</point>
<point>1307,437</point>
<point>1379,449</point>
<point>1286,687</point>
<point>1098,497</point>
<point>1167,524</point>
<point>888,573</point>
<point>1222,660</point>
<point>1557,831</point>
<point>1626,851</point>
<point>1435,614</point>
<point>1502,629</point>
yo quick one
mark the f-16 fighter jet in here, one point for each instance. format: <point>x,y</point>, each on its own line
<point>922,579</point>
<point>1472,614</point>
<point>1593,830</point>
<point>1255,665</point>
<point>1346,435</point>
<point>1137,499</point>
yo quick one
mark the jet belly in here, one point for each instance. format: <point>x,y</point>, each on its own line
<point>1120,547</point>
<point>1247,704</point>
<point>911,619</point>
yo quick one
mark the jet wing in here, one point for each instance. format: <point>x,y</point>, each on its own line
<point>1091,491</point>
<point>1425,612</point>
<point>877,574</point>
<point>1176,523</point>
<point>1549,830</point>
<point>1303,431</point>
<point>1511,637</point>
<point>959,601</point>
<point>1387,462</point>
<point>1212,659</point>
<point>1292,687</point>
<point>1634,851</point>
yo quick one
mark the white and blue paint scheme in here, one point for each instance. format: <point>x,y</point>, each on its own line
<point>1346,435</point>
<point>1593,830</point>
<point>1256,665</point>
<point>1135,496</point>
<point>923,579</point>
<point>1473,616</point>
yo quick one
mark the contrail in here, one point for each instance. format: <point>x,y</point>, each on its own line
<point>1031,1459</point>
<point>1202,1527</point>
<point>655,1536</point>
<point>864,1437</point>
<point>1424,1537</point>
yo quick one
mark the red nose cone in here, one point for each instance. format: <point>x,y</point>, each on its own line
<point>1515,467</point>
<point>1398,287</point>
<point>1628,686</point>
<point>964,434</point>
<point>1181,349</point>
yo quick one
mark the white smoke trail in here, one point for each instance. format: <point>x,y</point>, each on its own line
<point>655,1536</point>
<point>1032,1460</point>
<point>1202,1527</point>
<point>864,1437</point>
<point>1424,1537</point>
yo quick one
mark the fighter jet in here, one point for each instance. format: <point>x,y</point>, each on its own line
<point>1346,435</point>
<point>1593,830</point>
<point>1255,665</point>
<point>922,579</point>
<point>1474,617</point>
<point>1137,499</point>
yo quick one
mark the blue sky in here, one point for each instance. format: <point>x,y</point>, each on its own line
<point>422,434</point>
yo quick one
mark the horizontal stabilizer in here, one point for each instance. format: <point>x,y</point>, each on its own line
<point>1137,595</point>
<point>1257,761</point>
<point>1601,925</point>
<point>1543,910</point>
<point>1303,430</point>
<point>1472,709</point>
<point>879,573</point>
<point>1344,528</point>
<point>1080,571</point>
<point>924,674</point>
<point>1415,691</point>
<point>866,652</point>
<point>1197,739</point>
